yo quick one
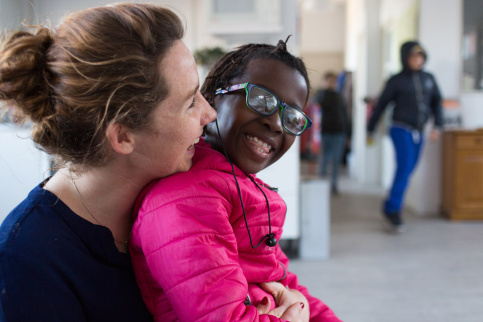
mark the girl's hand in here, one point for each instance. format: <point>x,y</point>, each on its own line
<point>292,305</point>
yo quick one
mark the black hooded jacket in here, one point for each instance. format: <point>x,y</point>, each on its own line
<point>415,95</point>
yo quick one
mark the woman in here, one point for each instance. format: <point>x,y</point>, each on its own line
<point>104,100</point>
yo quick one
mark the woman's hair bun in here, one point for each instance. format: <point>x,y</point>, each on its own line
<point>24,74</point>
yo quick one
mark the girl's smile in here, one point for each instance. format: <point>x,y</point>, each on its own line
<point>260,146</point>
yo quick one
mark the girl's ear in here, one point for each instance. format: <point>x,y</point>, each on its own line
<point>120,137</point>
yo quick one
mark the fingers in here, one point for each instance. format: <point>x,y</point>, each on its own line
<point>278,312</point>
<point>274,288</point>
<point>264,306</point>
<point>294,312</point>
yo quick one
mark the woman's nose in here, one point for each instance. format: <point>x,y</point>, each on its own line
<point>208,113</point>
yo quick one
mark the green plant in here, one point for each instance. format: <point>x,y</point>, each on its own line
<point>208,56</point>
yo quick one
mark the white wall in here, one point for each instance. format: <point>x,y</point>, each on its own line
<point>22,167</point>
<point>355,19</point>
<point>355,57</point>
<point>12,13</point>
<point>472,110</point>
<point>440,35</point>
<point>322,38</point>
<point>323,29</point>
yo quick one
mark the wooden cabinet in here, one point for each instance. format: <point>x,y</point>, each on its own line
<point>463,175</point>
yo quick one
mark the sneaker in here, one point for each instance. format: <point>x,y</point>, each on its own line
<point>394,222</point>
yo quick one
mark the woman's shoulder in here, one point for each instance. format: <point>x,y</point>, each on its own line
<point>34,233</point>
<point>41,226</point>
<point>25,219</point>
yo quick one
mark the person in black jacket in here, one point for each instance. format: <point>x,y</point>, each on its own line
<point>335,126</point>
<point>415,96</point>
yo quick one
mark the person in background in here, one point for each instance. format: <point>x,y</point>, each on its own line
<point>334,128</point>
<point>113,94</point>
<point>211,233</point>
<point>416,97</point>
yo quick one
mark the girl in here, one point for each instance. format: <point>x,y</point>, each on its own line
<point>205,241</point>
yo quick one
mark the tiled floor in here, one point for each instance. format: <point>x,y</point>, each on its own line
<point>432,272</point>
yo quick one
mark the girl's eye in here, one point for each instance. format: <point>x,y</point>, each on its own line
<point>192,103</point>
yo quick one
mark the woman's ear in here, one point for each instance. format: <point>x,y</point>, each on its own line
<point>120,137</point>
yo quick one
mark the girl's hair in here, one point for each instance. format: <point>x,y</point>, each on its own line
<point>100,66</point>
<point>233,65</point>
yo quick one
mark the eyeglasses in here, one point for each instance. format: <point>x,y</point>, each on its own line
<point>264,102</point>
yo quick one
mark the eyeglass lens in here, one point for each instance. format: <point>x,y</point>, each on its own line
<point>265,103</point>
<point>293,120</point>
<point>262,101</point>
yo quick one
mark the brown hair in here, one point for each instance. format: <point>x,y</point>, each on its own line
<point>100,66</point>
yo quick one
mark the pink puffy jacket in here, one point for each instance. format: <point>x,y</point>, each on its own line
<point>190,247</point>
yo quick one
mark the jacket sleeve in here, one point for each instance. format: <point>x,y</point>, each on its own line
<point>191,253</point>
<point>436,108</point>
<point>388,95</point>
<point>319,311</point>
<point>344,115</point>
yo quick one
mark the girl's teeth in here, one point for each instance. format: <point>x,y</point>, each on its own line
<point>197,140</point>
<point>261,143</point>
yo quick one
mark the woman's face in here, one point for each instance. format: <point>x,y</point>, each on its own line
<point>253,141</point>
<point>167,146</point>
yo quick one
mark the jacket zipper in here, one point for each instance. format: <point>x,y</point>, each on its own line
<point>248,301</point>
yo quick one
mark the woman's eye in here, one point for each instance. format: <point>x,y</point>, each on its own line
<point>192,103</point>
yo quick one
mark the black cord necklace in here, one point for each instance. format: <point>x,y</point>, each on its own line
<point>271,240</point>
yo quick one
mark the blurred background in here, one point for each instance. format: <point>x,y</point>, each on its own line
<point>432,272</point>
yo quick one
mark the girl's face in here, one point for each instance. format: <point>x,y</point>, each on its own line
<point>253,141</point>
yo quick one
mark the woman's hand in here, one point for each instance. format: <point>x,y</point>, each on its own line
<point>292,305</point>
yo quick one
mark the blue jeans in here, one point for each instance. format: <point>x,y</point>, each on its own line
<point>332,151</point>
<point>407,146</point>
